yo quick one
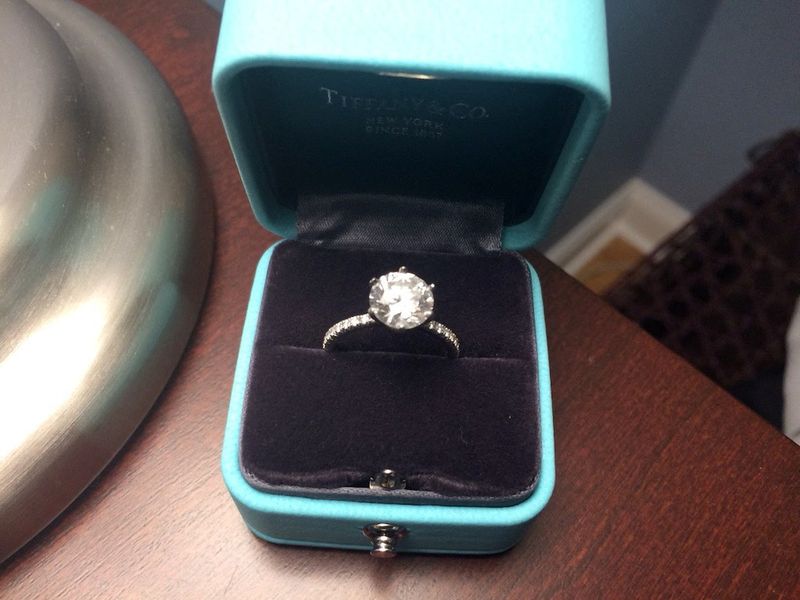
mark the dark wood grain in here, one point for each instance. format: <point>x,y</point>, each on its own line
<point>665,485</point>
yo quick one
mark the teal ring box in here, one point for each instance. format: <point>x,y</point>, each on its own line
<point>438,135</point>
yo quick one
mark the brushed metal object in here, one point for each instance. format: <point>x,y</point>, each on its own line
<point>105,251</point>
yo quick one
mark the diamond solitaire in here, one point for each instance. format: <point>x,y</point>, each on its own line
<point>401,301</point>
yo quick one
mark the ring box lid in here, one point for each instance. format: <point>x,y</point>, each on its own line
<point>443,100</point>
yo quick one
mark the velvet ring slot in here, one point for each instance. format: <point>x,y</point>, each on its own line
<point>460,430</point>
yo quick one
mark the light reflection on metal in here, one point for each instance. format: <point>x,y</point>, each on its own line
<point>69,345</point>
<point>105,250</point>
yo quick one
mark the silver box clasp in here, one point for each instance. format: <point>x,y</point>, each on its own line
<point>384,538</point>
<point>388,480</point>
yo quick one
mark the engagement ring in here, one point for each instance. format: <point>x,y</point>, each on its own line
<point>401,301</point>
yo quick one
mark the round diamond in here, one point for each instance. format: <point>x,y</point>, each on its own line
<point>401,300</point>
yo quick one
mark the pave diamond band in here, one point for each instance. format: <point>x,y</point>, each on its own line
<point>345,326</point>
<point>401,301</point>
<point>366,320</point>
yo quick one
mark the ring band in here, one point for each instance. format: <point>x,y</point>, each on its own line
<point>366,320</point>
<point>400,301</point>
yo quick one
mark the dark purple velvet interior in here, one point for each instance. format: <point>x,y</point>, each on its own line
<point>320,423</point>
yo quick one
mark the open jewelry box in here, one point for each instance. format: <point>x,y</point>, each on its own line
<point>430,135</point>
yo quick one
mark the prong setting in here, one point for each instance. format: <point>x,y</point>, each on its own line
<point>400,300</point>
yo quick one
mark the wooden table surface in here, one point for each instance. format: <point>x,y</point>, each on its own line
<point>666,486</point>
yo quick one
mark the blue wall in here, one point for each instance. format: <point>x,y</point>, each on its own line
<point>651,43</point>
<point>742,87</point>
